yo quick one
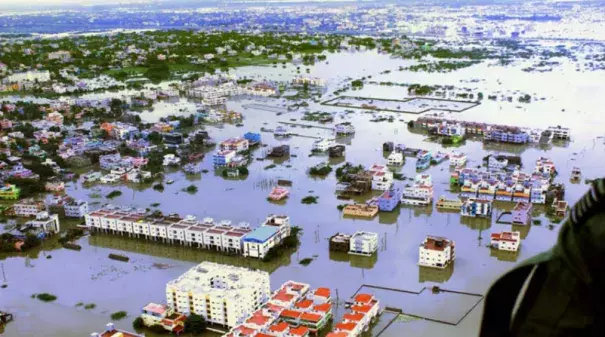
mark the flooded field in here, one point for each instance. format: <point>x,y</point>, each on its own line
<point>88,276</point>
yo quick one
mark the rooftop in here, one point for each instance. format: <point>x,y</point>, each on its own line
<point>261,234</point>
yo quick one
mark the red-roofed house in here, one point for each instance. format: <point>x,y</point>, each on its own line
<point>290,315</point>
<point>300,331</point>
<point>338,334</point>
<point>352,328</point>
<point>323,308</point>
<point>279,329</point>
<point>154,313</point>
<point>258,321</point>
<point>303,304</point>
<point>321,295</point>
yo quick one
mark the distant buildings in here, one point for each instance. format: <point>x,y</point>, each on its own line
<point>423,159</point>
<point>322,145</point>
<point>559,132</point>
<point>506,241</point>
<point>223,157</point>
<point>45,222</point>
<point>340,242</point>
<point>382,177</point>
<point>436,252</point>
<point>76,209</point>
<point>222,294</point>
<point>235,144</point>
<point>28,207</point>
<point>314,81</point>
<point>395,159</point>
<point>449,204</point>
<point>28,76</point>
<point>420,193</point>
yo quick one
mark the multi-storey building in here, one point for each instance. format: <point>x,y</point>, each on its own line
<point>420,193</point>
<point>345,128</point>
<point>235,144</point>
<point>436,252</point>
<point>222,294</point>
<point>522,213</point>
<point>476,208</point>
<point>457,159</point>
<point>76,209</point>
<point>323,144</point>
<point>363,243</point>
<point>395,159</point>
<point>389,200</point>
<point>382,178</point>
<point>223,157</point>
<point>28,207</point>
<point>506,241</point>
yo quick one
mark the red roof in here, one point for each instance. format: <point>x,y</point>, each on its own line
<point>325,307</point>
<point>258,319</point>
<point>283,297</point>
<point>361,308</point>
<point>260,334</point>
<point>355,316</point>
<point>304,304</point>
<point>363,298</point>
<point>245,331</point>
<point>279,327</point>
<point>310,317</point>
<point>346,326</point>
<point>299,331</point>
<point>290,313</point>
<point>337,334</point>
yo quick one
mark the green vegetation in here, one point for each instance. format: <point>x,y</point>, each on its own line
<point>113,194</point>
<point>195,324</point>
<point>537,222</point>
<point>440,66</point>
<point>157,328</point>
<point>317,116</point>
<point>306,261</point>
<point>79,304</point>
<point>320,170</point>
<point>356,84</point>
<point>158,187</point>
<point>155,204</point>
<point>341,207</point>
<point>343,172</point>
<point>268,167</point>
<point>290,242</point>
<point>398,176</point>
<point>90,306</point>
<point>138,323</point>
<point>191,189</point>
<point>8,242</point>
<point>309,200</point>
<point>118,315</point>
<point>46,297</point>
<point>421,90</point>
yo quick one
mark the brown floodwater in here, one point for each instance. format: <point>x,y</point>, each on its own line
<point>88,276</point>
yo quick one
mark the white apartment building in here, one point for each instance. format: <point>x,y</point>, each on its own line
<point>272,232</point>
<point>382,178</point>
<point>76,209</point>
<point>235,144</point>
<point>363,243</point>
<point>345,128</point>
<point>28,207</point>
<point>559,132</point>
<point>457,159</point>
<point>223,237</point>
<point>323,144</point>
<point>437,252</point>
<point>48,223</point>
<point>419,194</point>
<point>395,159</point>
<point>506,241</point>
<point>222,294</point>
<point>29,76</point>
<point>171,160</point>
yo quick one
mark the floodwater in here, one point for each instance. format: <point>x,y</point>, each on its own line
<point>88,276</point>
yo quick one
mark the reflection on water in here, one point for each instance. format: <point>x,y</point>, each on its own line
<point>476,223</point>
<point>389,218</point>
<point>183,253</point>
<point>504,255</point>
<point>357,261</point>
<point>523,229</point>
<point>437,275</point>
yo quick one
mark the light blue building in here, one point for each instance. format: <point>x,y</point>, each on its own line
<point>258,242</point>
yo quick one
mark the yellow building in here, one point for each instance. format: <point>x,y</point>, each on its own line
<point>360,210</point>
<point>9,192</point>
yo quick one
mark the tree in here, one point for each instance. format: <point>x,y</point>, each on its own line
<point>138,323</point>
<point>195,324</point>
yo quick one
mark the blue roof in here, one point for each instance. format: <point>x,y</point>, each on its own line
<point>261,234</point>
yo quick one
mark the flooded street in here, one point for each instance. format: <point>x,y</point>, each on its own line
<point>76,277</point>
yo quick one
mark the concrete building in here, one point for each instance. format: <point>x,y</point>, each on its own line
<point>382,178</point>
<point>360,210</point>
<point>160,314</point>
<point>270,234</point>
<point>222,294</point>
<point>47,223</point>
<point>522,213</point>
<point>436,252</point>
<point>235,144</point>
<point>420,193</point>
<point>28,76</point>
<point>363,243</point>
<point>76,209</point>
<point>389,200</point>
<point>476,208</point>
<point>345,128</point>
<point>506,241</point>
<point>28,207</point>
<point>395,159</point>
<point>340,242</point>
<point>223,157</point>
<point>559,132</point>
<point>323,144</point>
